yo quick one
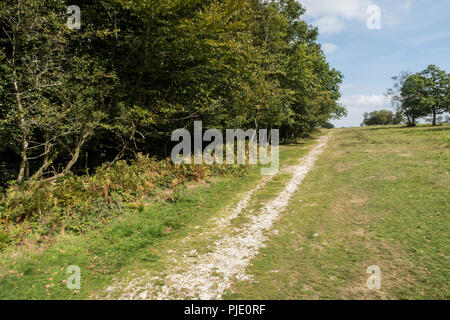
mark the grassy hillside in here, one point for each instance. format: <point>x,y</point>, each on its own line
<point>136,237</point>
<point>378,196</point>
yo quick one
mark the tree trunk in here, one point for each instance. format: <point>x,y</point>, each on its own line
<point>411,121</point>
<point>434,117</point>
<point>23,125</point>
<point>24,161</point>
<point>46,163</point>
<point>75,156</point>
<point>24,129</point>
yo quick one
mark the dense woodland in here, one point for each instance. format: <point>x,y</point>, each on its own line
<point>72,100</point>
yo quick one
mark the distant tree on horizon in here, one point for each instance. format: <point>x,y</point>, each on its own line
<point>422,94</point>
<point>328,125</point>
<point>436,91</point>
<point>382,118</point>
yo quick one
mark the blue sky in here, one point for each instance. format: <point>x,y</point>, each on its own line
<point>413,34</point>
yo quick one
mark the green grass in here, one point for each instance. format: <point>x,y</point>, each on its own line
<point>36,273</point>
<point>134,242</point>
<point>377,196</point>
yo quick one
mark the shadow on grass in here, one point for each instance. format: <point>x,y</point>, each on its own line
<point>302,140</point>
<point>292,143</point>
<point>439,127</point>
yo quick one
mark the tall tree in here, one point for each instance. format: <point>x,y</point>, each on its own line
<point>52,96</point>
<point>412,94</point>
<point>137,70</point>
<point>32,49</point>
<point>436,91</point>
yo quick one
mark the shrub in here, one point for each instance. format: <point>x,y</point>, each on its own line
<point>4,239</point>
<point>77,203</point>
<point>328,125</point>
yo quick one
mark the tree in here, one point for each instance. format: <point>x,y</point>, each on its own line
<point>413,94</point>
<point>398,118</point>
<point>54,96</point>
<point>421,94</point>
<point>382,117</point>
<point>32,48</point>
<point>328,125</point>
<point>138,70</point>
<point>397,99</point>
<point>435,91</point>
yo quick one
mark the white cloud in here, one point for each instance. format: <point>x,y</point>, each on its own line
<point>365,102</point>
<point>357,105</point>
<point>329,48</point>
<point>331,16</point>
<point>346,9</point>
<point>330,24</point>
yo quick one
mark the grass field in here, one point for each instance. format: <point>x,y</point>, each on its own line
<point>132,239</point>
<point>138,240</point>
<point>377,196</point>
